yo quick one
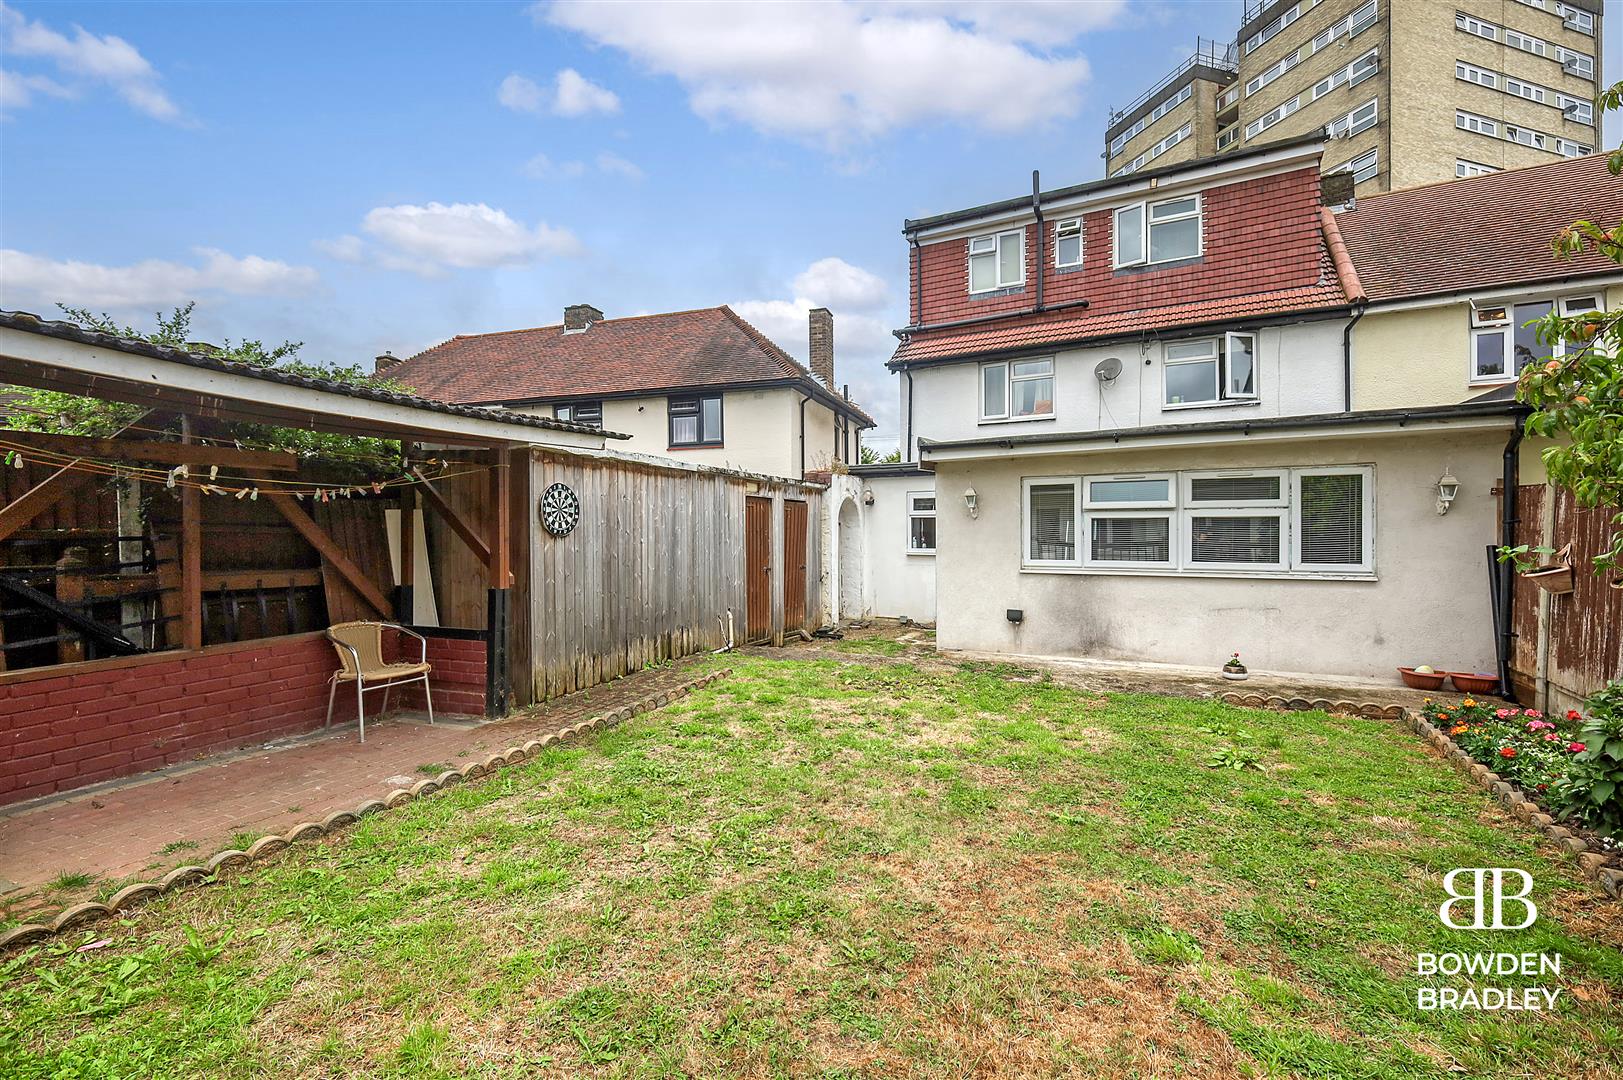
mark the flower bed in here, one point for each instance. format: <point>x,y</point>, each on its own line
<point>1570,764</point>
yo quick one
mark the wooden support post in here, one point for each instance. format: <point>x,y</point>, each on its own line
<point>498,680</point>
<point>317,538</point>
<point>405,602</point>
<point>60,485</point>
<point>70,592</point>
<point>191,557</point>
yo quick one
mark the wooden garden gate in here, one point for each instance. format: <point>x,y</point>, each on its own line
<point>758,568</point>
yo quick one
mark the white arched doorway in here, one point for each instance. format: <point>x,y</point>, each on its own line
<point>850,566</point>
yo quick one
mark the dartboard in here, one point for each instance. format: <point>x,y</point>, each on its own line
<point>560,509</point>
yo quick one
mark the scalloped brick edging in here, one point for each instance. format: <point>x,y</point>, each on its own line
<point>1367,709</point>
<point>1592,863</point>
<point>132,896</point>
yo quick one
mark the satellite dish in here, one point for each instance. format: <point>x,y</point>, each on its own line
<point>1107,369</point>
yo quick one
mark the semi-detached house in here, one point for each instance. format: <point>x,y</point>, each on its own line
<point>1130,433</point>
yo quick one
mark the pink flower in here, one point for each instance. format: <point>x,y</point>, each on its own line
<point>1502,714</point>
<point>1534,713</point>
<point>1539,725</point>
<point>1550,736</point>
<point>1576,748</point>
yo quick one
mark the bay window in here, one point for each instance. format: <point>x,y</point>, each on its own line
<point>997,261</point>
<point>1017,389</point>
<point>1158,232</point>
<point>1210,371</point>
<point>1299,522</point>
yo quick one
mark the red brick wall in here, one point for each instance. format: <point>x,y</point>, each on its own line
<point>1260,235</point>
<point>458,678</point>
<point>104,719</point>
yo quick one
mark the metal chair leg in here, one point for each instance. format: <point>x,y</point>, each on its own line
<point>360,706</point>
<point>428,698</point>
<point>332,695</point>
<point>388,686</point>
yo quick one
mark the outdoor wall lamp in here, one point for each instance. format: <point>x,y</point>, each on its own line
<point>1448,488</point>
<point>867,496</point>
<point>970,500</point>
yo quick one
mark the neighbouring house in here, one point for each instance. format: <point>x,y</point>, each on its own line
<point>701,386</point>
<point>1137,400</point>
<point>1448,322</point>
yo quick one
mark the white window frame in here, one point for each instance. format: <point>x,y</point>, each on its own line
<point>1146,211</point>
<point>1464,168</point>
<point>1472,25</point>
<point>1477,76</point>
<point>913,512</point>
<point>996,251</point>
<point>1065,228</point>
<point>1009,380</point>
<point>1365,166</point>
<point>1476,123</point>
<point>1026,484</point>
<point>1224,396</point>
<point>1179,514</point>
<point>1506,327</point>
<point>1367,514</point>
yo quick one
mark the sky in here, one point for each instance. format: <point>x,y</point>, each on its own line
<point>362,177</point>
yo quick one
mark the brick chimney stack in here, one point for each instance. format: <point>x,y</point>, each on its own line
<point>820,324</point>
<point>381,364</point>
<point>578,317</point>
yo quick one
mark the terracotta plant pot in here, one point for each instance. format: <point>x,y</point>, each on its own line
<point>1479,683</point>
<point>1552,579</point>
<point>1416,680</point>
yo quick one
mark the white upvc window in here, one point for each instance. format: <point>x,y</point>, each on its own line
<point>1463,168</point>
<point>997,261</point>
<point>1578,19</point>
<point>1502,342</point>
<point>1363,167</point>
<point>1568,148</point>
<point>1525,136</point>
<point>1051,507</point>
<point>1471,25</point>
<point>1576,63</point>
<point>1272,117</point>
<point>1303,522</point>
<point>1333,519</point>
<point>1523,89</point>
<point>1360,119</point>
<point>1158,232</point>
<point>1127,520</point>
<point>1210,371</point>
<point>1266,34</point>
<point>1068,242</point>
<point>1017,389</point>
<point>1482,125</point>
<point>1272,72</point>
<point>921,523</point>
<point>1473,74</point>
<point>1526,42</point>
<point>1578,110</point>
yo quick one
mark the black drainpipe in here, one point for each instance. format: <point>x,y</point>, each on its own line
<point>907,447</point>
<point>1346,357</point>
<point>803,435</point>
<point>1509,483</point>
<point>1042,264</point>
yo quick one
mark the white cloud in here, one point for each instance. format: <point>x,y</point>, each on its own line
<point>84,58</point>
<point>541,167</point>
<point>842,72</point>
<point>571,94</point>
<point>347,248</point>
<point>615,165</point>
<point>151,281</point>
<point>863,342</point>
<point>577,95</point>
<point>836,284</point>
<point>425,239</point>
<point>17,91</point>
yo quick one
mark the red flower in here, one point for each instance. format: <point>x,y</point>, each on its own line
<point>1507,751</point>
<point>1576,748</point>
<point>1574,715</point>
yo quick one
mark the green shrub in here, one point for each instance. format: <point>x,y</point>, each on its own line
<point>1593,787</point>
<point>1522,745</point>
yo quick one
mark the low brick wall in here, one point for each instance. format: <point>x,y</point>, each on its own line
<point>458,678</point>
<point>65,727</point>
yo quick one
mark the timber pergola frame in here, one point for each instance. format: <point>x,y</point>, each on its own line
<point>179,383</point>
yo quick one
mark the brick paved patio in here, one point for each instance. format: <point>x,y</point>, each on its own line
<point>184,814</point>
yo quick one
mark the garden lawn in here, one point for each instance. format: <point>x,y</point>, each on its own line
<point>858,868</point>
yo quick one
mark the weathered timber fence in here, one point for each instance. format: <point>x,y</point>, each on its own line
<point>654,565</point>
<point>1568,645</point>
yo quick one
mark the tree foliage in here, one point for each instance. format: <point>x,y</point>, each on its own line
<point>70,414</point>
<point>1577,396</point>
<point>870,456</point>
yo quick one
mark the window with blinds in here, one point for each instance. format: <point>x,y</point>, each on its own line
<point>1143,538</point>
<point>1308,521</point>
<point>1330,512</point>
<point>1052,515</point>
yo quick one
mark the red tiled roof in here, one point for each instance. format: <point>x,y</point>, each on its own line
<point>1256,265</point>
<point>708,347</point>
<point>1480,232</point>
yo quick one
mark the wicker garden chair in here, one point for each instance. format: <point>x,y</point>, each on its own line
<point>360,655</point>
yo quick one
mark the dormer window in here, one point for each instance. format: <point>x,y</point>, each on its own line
<point>1068,243</point>
<point>997,261</point>
<point>1158,232</point>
